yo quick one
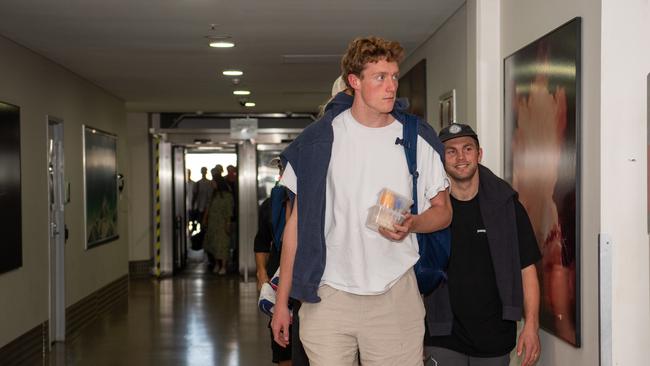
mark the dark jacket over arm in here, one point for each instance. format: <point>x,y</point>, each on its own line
<point>309,155</point>
<point>497,203</point>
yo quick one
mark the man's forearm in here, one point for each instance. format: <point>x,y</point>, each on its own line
<point>531,296</point>
<point>261,258</point>
<point>287,258</point>
<point>436,217</point>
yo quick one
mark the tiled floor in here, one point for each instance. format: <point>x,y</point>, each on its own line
<point>192,319</point>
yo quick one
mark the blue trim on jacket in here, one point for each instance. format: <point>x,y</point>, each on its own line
<point>309,155</point>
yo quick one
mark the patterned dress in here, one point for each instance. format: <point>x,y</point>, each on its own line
<point>217,237</point>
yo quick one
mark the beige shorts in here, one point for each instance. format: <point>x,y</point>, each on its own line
<point>386,329</point>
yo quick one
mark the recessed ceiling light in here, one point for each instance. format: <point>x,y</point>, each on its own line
<point>249,104</point>
<point>222,44</point>
<point>241,92</point>
<point>233,72</point>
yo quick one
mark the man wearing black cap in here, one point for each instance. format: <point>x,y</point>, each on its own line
<point>492,278</point>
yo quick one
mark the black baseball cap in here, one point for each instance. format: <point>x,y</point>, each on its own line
<point>456,130</point>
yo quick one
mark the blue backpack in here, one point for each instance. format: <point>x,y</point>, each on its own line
<point>434,248</point>
<point>278,214</point>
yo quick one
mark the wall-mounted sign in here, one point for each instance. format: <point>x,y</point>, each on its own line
<point>243,128</point>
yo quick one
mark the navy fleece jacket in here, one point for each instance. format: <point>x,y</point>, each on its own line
<point>309,155</point>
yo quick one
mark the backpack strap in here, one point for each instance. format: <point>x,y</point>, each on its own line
<point>278,214</point>
<point>434,248</point>
<point>410,142</point>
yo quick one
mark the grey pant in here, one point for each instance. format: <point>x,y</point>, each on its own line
<point>437,356</point>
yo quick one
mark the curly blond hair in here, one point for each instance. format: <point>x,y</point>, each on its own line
<point>362,51</point>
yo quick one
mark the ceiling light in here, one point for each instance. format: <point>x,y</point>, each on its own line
<point>233,72</point>
<point>222,44</point>
<point>249,104</point>
<point>241,92</point>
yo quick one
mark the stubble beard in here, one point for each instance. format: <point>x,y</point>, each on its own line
<point>464,178</point>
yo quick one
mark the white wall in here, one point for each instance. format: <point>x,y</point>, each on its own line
<point>43,88</point>
<point>484,78</point>
<point>523,21</point>
<point>446,59</point>
<point>464,54</point>
<point>139,181</point>
<point>623,212</point>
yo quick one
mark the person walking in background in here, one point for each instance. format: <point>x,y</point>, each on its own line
<point>200,200</point>
<point>204,190</point>
<point>268,239</point>
<point>217,173</point>
<point>268,246</point>
<point>231,179</point>
<point>217,220</point>
<point>491,275</point>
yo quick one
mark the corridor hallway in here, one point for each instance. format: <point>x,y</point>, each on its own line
<point>194,318</point>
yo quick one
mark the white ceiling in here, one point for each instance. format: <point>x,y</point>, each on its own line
<point>154,55</point>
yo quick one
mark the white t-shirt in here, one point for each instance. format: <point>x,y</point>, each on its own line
<point>364,161</point>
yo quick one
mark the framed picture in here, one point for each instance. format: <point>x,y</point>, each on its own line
<point>413,86</point>
<point>11,256</point>
<point>542,161</point>
<point>100,186</point>
<point>447,109</point>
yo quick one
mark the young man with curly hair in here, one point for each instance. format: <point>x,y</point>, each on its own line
<point>359,292</point>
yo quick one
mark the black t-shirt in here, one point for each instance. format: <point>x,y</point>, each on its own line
<point>479,329</point>
<point>264,238</point>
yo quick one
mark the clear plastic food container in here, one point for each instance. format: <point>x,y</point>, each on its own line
<point>380,216</point>
<point>389,210</point>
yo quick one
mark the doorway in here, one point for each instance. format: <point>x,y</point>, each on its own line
<point>57,229</point>
<point>208,158</point>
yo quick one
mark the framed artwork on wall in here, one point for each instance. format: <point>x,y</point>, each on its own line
<point>100,186</point>
<point>413,86</point>
<point>542,162</point>
<point>447,109</point>
<point>11,256</point>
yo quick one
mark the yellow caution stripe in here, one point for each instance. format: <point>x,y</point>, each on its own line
<point>157,215</point>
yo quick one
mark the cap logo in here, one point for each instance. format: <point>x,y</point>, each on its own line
<point>455,129</point>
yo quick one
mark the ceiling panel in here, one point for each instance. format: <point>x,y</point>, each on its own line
<point>154,55</point>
